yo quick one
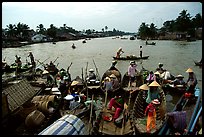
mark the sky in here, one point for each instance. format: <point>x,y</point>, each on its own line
<point>123,16</point>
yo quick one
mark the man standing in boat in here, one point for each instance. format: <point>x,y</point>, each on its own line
<point>132,72</point>
<point>32,60</point>
<point>141,51</point>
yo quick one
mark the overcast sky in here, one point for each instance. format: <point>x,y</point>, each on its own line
<point>124,16</point>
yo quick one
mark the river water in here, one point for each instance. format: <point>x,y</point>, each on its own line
<point>177,56</point>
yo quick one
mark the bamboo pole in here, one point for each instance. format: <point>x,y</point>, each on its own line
<point>91,113</point>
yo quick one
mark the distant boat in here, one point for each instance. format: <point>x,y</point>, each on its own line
<point>131,58</point>
<point>198,63</point>
<point>132,38</point>
<point>73,46</point>
<point>151,43</point>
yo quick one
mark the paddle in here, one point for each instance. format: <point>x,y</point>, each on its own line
<point>91,112</point>
<point>96,69</point>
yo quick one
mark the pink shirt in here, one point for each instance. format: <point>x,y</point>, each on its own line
<point>132,70</point>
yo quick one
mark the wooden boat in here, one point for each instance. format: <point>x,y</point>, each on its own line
<point>131,58</point>
<point>186,104</point>
<point>198,63</point>
<point>93,85</point>
<point>125,82</point>
<point>24,116</point>
<point>104,126</point>
<point>110,71</point>
<point>132,38</point>
<point>12,68</point>
<point>152,43</point>
<point>139,119</point>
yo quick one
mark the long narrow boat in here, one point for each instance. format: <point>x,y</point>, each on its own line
<point>105,125</point>
<point>93,85</point>
<point>139,119</point>
<point>131,58</point>
<point>198,63</point>
<point>138,82</point>
<point>108,73</point>
<point>186,104</point>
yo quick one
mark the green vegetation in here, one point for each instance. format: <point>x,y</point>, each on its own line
<point>183,23</point>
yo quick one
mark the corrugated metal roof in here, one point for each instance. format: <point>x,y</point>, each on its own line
<point>19,93</point>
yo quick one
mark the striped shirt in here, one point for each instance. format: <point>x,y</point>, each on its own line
<point>179,119</point>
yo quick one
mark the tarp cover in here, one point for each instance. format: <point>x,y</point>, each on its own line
<point>66,125</point>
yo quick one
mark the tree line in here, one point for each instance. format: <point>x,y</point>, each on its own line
<point>183,23</point>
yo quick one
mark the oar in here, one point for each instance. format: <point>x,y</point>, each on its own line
<point>91,112</point>
<point>42,63</point>
<point>96,69</point>
<point>55,60</point>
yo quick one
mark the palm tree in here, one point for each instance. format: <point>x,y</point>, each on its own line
<point>41,29</point>
<point>106,28</point>
<point>11,30</point>
<point>52,31</point>
<point>183,21</point>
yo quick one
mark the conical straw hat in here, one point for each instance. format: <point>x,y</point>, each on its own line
<point>157,72</point>
<point>112,76</point>
<point>189,70</point>
<point>144,87</point>
<point>45,72</point>
<point>154,83</point>
<point>74,83</point>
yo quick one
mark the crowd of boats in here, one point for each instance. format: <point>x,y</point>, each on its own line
<point>49,102</point>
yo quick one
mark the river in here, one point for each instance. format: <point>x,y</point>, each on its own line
<point>177,56</point>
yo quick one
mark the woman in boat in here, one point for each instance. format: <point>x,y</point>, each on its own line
<point>119,52</point>
<point>150,111</point>
<point>179,81</point>
<point>108,84</point>
<point>114,80</point>
<point>118,103</point>
<point>177,120</point>
<point>191,81</point>
<point>144,88</point>
<point>150,77</point>
<point>32,59</point>
<point>132,72</point>
<point>157,77</point>
<point>92,75</point>
<point>153,92</point>
<point>75,102</point>
<point>160,68</point>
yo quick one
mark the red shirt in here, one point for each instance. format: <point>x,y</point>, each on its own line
<point>150,109</point>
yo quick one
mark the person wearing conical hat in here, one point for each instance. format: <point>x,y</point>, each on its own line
<point>108,84</point>
<point>150,111</point>
<point>157,77</point>
<point>144,89</point>
<point>160,68</point>
<point>119,52</point>
<point>114,80</point>
<point>191,81</point>
<point>179,81</point>
<point>91,76</point>
<point>153,92</point>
